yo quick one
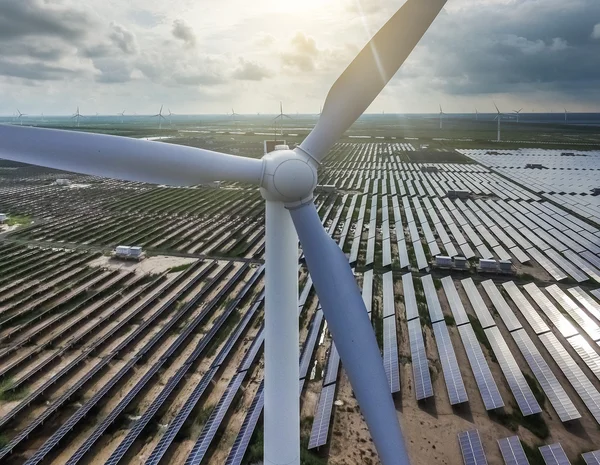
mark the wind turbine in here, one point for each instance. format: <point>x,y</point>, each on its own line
<point>476,115</point>
<point>566,116</point>
<point>287,179</point>
<point>122,114</point>
<point>160,117</point>
<point>441,117</point>
<point>518,112</point>
<point>77,115</point>
<point>498,117</point>
<point>20,116</point>
<point>170,120</point>
<point>280,116</point>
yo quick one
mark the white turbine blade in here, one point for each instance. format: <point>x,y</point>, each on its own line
<point>496,107</point>
<point>369,72</point>
<point>124,158</point>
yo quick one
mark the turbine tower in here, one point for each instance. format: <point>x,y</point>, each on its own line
<point>566,116</point>
<point>160,117</point>
<point>476,115</point>
<point>287,179</point>
<point>518,112</point>
<point>441,117</point>
<point>170,119</point>
<point>280,118</point>
<point>233,115</point>
<point>20,116</point>
<point>122,114</point>
<point>77,115</point>
<point>499,118</point>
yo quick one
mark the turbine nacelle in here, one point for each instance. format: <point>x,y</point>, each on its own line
<point>289,176</point>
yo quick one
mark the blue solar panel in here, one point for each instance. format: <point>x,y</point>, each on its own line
<point>454,382</point>
<point>388,295</point>
<point>390,353</point>
<point>481,370</point>
<point>420,365</point>
<point>554,454</point>
<point>320,426</point>
<point>512,451</point>
<point>592,458</point>
<point>410,299</point>
<point>433,303</point>
<point>516,381</point>
<point>471,448</point>
<point>458,310</point>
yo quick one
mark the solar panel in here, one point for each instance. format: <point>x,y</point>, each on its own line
<point>553,270</point>
<point>367,289</point>
<point>566,265</point>
<point>580,382</point>
<point>558,319</point>
<point>575,312</point>
<point>481,370</point>
<point>506,313</point>
<point>519,254</point>
<point>388,295</point>
<point>410,299</point>
<point>420,366</point>
<point>471,448</point>
<point>556,394</point>
<point>483,314</point>
<point>516,381</point>
<point>466,250</point>
<point>596,293</point>
<point>420,254</point>
<point>458,310</point>
<point>433,303</point>
<point>554,454</point>
<point>320,426</point>
<point>454,382</point>
<point>512,451</point>
<point>589,356</point>
<point>531,315</point>
<point>450,249</point>
<point>592,458</point>
<point>402,252</point>
<point>586,301</point>
<point>390,353</point>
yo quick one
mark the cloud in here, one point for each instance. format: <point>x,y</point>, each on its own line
<point>25,18</point>
<point>183,32</point>
<point>124,39</point>
<point>303,53</point>
<point>250,71</point>
<point>596,32</point>
<point>33,71</point>
<point>265,39</point>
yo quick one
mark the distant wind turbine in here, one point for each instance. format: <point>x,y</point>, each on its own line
<point>160,117</point>
<point>518,112</point>
<point>20,116</point>
<point>280,116</point>
<point>566,116</point>
<point>170,120</point>
<point>499,118</point>
<point>77,115</point>
<point>122,114</point>
<point>441,117</point>
<point>476,115</point>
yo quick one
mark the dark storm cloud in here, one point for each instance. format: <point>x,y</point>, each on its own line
<point>33,71</point>
<point>529,44</point>
<point>22,18</point>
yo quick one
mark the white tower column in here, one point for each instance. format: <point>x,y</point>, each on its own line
<point>498,128</point>
<point>282,402</point>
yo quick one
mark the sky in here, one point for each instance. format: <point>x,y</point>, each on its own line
<point>207,57</point>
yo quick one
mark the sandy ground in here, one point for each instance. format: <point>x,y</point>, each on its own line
<point>156,264</point>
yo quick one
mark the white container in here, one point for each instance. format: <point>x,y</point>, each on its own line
<point>135,251</point>
<point>505,265</point>
<point>488,264</point>
<point>123,250</point>
<point>460,262</point>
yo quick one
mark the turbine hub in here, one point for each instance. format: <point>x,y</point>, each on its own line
<point>288,177</point>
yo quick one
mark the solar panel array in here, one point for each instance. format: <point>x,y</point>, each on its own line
<point>516,381</point>
<point>456,306</point>
<point>388,295</point>
<point>320,426</point>
<point>390,353</point>
<point>433,303</point>
<point>454,382</point>
<point>410,299</point>
<point>512,451</point>
<point>580,382</point>
<point>554,454</point>
<point>420,366</point>
<point>536,322</point>
<point>483,314</point>
<point>502,307</point>
<point>554,315</point>
<point>584,321</point>
<point>471,448</point>
<point>589,356</point>
<point>586,301</point>
<point>556,394</point>
<point>481,370</point>
<point>592,458</point>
